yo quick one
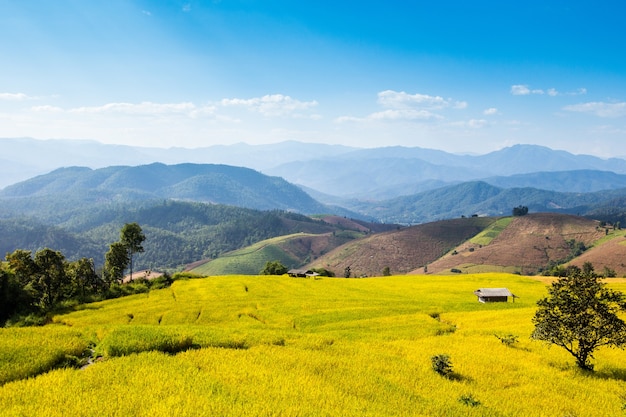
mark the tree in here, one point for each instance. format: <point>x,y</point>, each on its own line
<point>520,211</point>
<point>115,262</point>
<point>132,237</point>
<point>274,268</point>
<point>580,315</point>
<point>347,272</point>
<point>50,278</point>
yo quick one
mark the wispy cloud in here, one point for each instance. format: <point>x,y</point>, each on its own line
<point>525,90</point>
<point>490,111</point>
<point>144,108</point>
<point>16,97</point>
<point>187,7</point>
<point>146,12</point>
<point>272,105</point>
<point>400,105</point>
<point>600,109</point>
<point>401,99</point>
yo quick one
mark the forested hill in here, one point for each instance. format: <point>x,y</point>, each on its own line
<point>220,184</point>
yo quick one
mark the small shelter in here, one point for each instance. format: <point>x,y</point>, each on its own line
<point>302,273</point>
<point>494,295</point>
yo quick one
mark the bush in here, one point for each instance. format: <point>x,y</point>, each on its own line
<point>469,400</point>
<point>442,365</point>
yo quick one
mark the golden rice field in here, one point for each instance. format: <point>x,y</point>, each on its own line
<point>279,346</point>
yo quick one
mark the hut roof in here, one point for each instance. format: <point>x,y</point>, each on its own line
<point>493,292</point>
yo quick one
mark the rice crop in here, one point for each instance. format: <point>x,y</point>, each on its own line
<point>278,346</point>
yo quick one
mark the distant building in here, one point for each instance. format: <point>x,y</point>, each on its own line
<point>494,295</point>
<point>302,273</point>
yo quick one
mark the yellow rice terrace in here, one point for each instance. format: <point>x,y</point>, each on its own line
<point>280,346</point>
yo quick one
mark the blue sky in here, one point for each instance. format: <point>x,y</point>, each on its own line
<point>462,76</point>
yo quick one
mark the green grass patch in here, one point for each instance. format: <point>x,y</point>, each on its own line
<point>491,232</point>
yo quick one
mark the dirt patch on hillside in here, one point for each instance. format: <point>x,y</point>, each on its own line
<point>402,250</point>
<point>611,254</point>
<point>527,245</point>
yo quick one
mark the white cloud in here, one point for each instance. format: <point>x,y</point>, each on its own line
<point>490,111</point>
<point>477,123</point>
<point>404,114</point>
<point>15,97</point>
<point>400,99</point>
<point>144,108</point>
<point>146,12</point>
<point>187,7</point>
<point>47,108</point>
<point>524,90</point>
<point>600,109</point>
<point>272,105</point>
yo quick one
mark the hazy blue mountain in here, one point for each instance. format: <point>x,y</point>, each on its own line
<point>480,198</point>
<point>579,181</point>
<point>30,157</point>
<point>223,184</point>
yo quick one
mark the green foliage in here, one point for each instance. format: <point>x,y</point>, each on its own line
<point>273,268</point>
<point>323,272</point>
<point>132,237</point>
<point>520,211</point>
<point>508,340</point>
<point>580,315</point>
<point>386,271</point>
<point>442,364</point>
<point>469,400</point>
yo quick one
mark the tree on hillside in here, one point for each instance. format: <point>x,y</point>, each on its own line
<point>580,315</point>
<point>115,262</point>
<point>273,268</point>
<point>132,237</point>
<point>50,280</point>
<point>520,211</point>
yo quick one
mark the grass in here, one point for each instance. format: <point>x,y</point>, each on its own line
<point>250,260</point>
<point>486,236</point>
<point>270,346</point>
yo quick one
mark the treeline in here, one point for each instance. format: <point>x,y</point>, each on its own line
<point>31,286</point>
<point>177,232</point>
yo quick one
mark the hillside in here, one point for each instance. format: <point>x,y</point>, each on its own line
<point>402,250</point>
<point>526,245</point>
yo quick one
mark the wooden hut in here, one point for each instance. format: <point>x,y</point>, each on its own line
<point>494,295</point>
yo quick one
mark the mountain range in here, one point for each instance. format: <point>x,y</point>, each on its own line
<point>203,210</point>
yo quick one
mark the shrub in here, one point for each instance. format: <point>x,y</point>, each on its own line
<point>469,400</point>
<point>442,365</point>
<point>509,339</point>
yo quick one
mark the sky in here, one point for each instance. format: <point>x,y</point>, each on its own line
<point>457,75</point>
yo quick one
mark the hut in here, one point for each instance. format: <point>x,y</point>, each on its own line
<point>302,273</point>
<point>494,295</point>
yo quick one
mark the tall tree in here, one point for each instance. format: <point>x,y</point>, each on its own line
<point>50,279</point>
<point>580,315</point>
<point>115,262</point>
<point>132,237</point>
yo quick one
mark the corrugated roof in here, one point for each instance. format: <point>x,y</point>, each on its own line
<point>493,292</point>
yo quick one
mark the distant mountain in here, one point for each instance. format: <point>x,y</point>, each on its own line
<point>383,173</point>
<point>483,199</point>
<point>23,158</point>
<point>220,184</point>
<point>577,181</point>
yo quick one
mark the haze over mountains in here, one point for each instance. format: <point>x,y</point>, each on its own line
<point>340,171</point>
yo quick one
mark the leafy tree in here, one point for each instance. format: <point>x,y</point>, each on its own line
<point>520,211</point>
<point>50,278</point>
<point>386,271</point>
<point>274,268</point>
<point>12,295</point>
<point>115,262</point>
<point>580,315</point>
<point>132,237</point>
<point>22,264</point>
<point>82,275</point>
<point>347,272</point>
